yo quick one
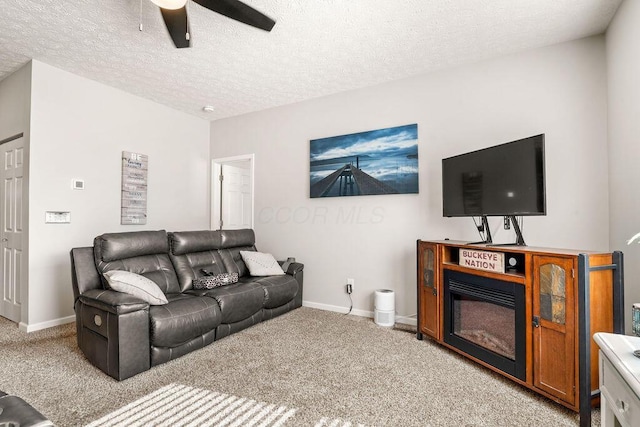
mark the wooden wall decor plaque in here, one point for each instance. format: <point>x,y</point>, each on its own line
<point>134,188</point>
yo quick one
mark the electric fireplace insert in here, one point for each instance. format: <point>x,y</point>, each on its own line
<point>485,318</point>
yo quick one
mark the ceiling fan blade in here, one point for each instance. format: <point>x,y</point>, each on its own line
<point>177,25</point>
<point>239,11</point>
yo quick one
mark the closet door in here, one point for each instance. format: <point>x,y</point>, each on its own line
<point>11,233</point>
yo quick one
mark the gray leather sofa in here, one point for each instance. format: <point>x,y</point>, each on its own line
<point>123,335</point>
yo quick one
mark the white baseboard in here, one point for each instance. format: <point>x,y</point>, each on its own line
<point>405,320</point>
<point>24,327</point>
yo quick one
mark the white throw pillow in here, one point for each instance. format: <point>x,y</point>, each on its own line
<point>261,264</point>
<point>136,285</point>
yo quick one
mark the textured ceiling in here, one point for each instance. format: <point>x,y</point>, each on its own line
<point>317,47</point>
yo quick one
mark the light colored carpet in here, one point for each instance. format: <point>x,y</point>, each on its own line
<point>325,365</point>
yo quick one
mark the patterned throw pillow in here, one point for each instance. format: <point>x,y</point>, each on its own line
<point>210,282</point>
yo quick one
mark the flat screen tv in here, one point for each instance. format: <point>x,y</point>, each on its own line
<point>504,180</point>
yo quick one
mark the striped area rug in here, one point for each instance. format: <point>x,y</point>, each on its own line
<point>178,405</point>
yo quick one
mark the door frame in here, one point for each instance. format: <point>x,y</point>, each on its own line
<point>216,166</point>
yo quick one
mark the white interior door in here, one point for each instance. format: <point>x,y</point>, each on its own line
<point>11,233</point>
<point>236,196</point>
<point>232,193</point>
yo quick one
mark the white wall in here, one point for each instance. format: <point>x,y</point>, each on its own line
<point>623,68</point>
<point>79,129</point>
<point>559,91</point>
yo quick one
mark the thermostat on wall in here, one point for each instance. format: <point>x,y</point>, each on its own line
<point>77,184</point>
<point>57,217</point>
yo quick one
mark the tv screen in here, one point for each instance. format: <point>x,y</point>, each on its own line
<point>507,179</point>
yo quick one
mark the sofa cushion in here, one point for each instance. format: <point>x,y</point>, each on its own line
<point>115,246</point>
<point>187,242</point>
<point>192,266</point>
<point>195,251</point>
<point>185,317</point>
<point>261,264</point>
<point>235,238</point>
<point>141,252</point>
<point>136,285</point>
<point>279,290</point>
<point>233,261</point>
<point>238,301</point>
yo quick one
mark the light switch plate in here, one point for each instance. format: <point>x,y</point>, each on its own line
<point>57,217</point>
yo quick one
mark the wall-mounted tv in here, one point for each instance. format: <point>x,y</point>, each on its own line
<point>504,180</point>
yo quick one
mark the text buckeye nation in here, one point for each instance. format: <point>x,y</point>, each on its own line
<point>482,260</point>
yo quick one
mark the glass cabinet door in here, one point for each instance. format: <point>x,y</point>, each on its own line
<point>428,298</point>
<point>553,326</point>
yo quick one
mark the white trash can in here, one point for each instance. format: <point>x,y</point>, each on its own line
<point>384,313</point>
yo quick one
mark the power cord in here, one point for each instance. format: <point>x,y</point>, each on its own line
<point>349,289</point>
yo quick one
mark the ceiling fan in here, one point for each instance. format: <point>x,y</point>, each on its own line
<point>174,13</point>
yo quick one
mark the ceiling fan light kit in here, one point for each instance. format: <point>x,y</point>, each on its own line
<point>170,4</point>
<point>174,14</point>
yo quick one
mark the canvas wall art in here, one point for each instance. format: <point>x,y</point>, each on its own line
<point>383,161</point>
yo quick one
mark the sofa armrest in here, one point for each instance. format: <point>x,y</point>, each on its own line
<point>112,301</point>
<point>113,332</point>
<point>294,268</point>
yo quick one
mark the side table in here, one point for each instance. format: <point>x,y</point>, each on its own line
<point>619,379</point>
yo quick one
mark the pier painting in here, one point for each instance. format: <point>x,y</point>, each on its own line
<point>383,161</point>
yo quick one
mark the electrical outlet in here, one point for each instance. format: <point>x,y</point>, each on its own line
<point>507,223</point>
<point>350,283</point>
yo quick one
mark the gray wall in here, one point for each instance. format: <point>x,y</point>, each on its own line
<point>558,90</point>
<point>623,69</point>
<point>79,129</point>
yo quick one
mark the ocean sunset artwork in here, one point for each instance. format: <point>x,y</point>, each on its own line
<point>383,161</point>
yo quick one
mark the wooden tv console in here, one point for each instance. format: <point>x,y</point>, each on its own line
<point>561,358</point>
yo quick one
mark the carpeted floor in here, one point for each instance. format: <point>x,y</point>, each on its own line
<point>325,365</point>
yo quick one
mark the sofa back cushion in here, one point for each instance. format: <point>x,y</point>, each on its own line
<point>233,261</point>
<point>141,252</point>
<point>187,242</point>
<point>237,238</point>
<point>193,253</point>
<point>232,242</point>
